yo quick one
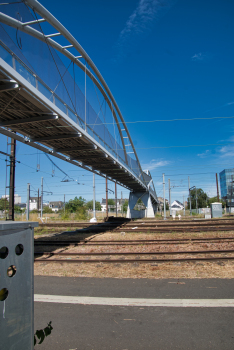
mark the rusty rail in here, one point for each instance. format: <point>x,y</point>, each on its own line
<point>132,260</point>
<point>138,253</point>
<point>131,242</point>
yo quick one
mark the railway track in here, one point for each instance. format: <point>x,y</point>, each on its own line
<point>138,222</point>
<point>89,256</point>
<point>133,260</point>
<point>137,253</point>
<point>140,256</point>
<point>133,242</point>
<point>155,226</point>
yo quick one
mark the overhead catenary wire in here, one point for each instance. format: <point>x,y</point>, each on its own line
<point>57,166</point>
<point>156,168</point>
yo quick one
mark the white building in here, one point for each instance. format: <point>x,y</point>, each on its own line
<point>56,205</point>
<point>120,202</point>
<point>176,205</point>
<point>17,198</point>
<point>33,203</point>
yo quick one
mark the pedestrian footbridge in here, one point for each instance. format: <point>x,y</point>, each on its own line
<point>41,104</point>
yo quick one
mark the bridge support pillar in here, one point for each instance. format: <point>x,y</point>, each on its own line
<point>150,210</point>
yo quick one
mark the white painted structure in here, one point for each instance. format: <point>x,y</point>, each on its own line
<point>176,206</point>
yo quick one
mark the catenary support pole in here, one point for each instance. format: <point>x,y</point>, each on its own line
<point>217,184</point>
<point>116,209</point>
<point>28,201</point>
<point>164,200</point>
<point>12,181</point>
<point>189,196</point>
<point>64,201</point>
<point>94,202</point>
<point>106,198</point>
<point>184,205</point>
<point>38,200</point>
<point>196,201</point>
<point>41,197</point>
<point>169,187</point>
<point>85,101</point>
<point>122,202</point>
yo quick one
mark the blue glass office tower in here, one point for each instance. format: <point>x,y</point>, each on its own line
<point>227,186</point>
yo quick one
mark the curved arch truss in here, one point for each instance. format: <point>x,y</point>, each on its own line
<point>42,104</point>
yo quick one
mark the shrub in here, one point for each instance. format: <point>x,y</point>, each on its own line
<point>81,214</point>
<point>64,215</point>
<point>34,211</point>
<point>47,210</point>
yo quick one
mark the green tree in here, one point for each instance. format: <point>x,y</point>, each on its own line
<point>17,209</point>
<point>202,199</point>
<point>215,199</point>
<point>167,206</point>
<point>74,204</point>
<point>125,206</point>
<point>89,205</point>
<point>139,202</point>
<point>111,202</point>
<point>4,204</point>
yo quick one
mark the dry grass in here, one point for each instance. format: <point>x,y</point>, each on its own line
<point>136,270</point>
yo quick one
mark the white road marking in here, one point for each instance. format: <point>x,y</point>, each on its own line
<point>60,299</point>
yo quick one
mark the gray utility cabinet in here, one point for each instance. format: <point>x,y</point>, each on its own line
<point>16,285</point>
<point>216,210</point>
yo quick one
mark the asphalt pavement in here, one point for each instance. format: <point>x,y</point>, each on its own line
<point>102,327</point>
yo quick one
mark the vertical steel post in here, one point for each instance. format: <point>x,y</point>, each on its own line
<point>38,200</point>
<point>189,196</point>
<point>94,198</point>
<point>85,100</point>
<point>196,201</point>
<point>116,211</point>
<point>106,198</point>
<point>28,201</point>
<point>164,200</point>
<point>217,184</point>
<point>41,197</point>
<point>169,187</point>
<point>64,203</point>
<point>122,202</point>
<point>184,205</point>
<point>12,181</point>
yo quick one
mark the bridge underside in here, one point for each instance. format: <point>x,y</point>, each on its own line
<point>29,117</point>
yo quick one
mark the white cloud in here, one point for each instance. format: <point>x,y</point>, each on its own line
<point>201,56</point>
<point>226,151</point>
<point>139,24</point>
<point>205,154</point>
<point>153,164</point>
<point>225,105</point>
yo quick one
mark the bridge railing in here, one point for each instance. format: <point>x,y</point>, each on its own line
<point>15,62</point>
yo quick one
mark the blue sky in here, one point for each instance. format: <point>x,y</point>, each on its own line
<point>163,60</point>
